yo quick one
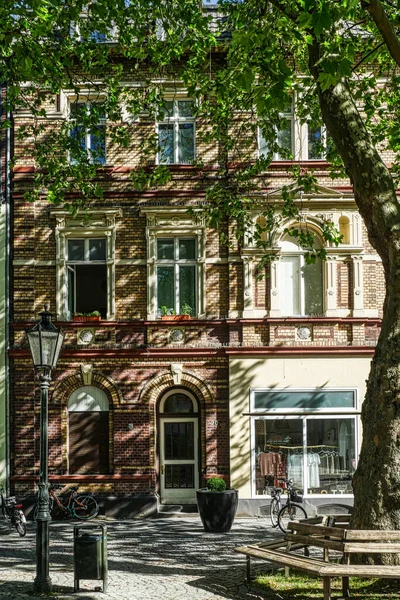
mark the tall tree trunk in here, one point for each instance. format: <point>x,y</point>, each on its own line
<point>377,479</point>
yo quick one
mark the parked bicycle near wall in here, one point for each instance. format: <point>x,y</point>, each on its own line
<point>80,507</point>
<point>12,512</point>
<point>291,511</point>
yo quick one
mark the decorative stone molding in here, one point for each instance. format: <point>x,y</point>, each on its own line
<point>304,333</point>
<point>86,371</point>
<point>100,222</point>
<point>173,221</point>
<point>177,336</point>
<point>176,370</point>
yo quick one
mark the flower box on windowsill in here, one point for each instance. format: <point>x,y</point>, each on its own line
<point>86,318</point>
<point>175,317</point>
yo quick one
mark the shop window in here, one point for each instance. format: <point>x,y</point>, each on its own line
<point>88,431</point>
<point>176,275</point>
<point>88,131</point>
<point>317,451</point>
<point>176,133</point>
<point>87,275</point>
<point>300,283</point>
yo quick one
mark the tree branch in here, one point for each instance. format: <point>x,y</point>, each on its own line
<point>375,9</point>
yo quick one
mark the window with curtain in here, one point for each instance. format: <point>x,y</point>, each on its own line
<point>300,284</point>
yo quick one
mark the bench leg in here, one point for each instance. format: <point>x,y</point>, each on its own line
<point>327,588</point>
<point>345,587</point>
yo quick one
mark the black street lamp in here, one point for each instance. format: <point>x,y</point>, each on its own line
<point>45,342</point>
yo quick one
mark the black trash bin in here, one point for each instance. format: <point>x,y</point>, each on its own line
<point>90,554</point>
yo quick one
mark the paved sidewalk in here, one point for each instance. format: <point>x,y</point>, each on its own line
<point>154,559</point>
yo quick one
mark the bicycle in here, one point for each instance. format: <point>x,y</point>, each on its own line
<point>12,512</point>
<point>81,507</point>
<point>276,505</point>
<point>291,511</point>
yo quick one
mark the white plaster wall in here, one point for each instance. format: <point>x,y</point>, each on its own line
<point>282,372</point>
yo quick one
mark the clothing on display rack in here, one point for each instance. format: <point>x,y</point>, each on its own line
<point>272,463</point>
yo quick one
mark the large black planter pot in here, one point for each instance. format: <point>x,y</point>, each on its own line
<point>217,509</point>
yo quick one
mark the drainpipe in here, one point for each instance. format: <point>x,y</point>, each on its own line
<point>5,185</point>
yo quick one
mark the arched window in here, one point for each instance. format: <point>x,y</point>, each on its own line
<point>178,402</point>
<point>88,431</point>
<point>300,284</point>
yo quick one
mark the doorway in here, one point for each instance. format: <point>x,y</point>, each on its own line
<point>179,448</point>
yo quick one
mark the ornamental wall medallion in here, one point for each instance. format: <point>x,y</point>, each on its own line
<point>85,336</point>
<point>177,335</point>
<point>304,333</point>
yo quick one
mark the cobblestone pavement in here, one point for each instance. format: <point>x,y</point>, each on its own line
<point>154,559</point>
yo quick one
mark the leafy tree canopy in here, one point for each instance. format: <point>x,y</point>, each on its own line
<point>338,60</point>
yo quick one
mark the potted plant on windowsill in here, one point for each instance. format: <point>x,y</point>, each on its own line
<point>167,314</point>
<point>186,311</point>
<point>85,317</point>
<point>217,505</point>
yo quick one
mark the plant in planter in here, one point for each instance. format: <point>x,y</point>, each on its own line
<point>94,315</point>
<point>167,314</point>
<point>186,311</point>
<point>217,505</point>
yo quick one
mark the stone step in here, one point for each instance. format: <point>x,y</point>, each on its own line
<point>185,510</point>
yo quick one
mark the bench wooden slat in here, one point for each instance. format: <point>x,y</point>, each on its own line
<point>372,535</point>
<point>310,565</point>
<point>371,548</point>
<point>339,538</point>
<point>318,530</point>
<point>338,570</point>
<point>316,541</point>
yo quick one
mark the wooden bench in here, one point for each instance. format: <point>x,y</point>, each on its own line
<point>337,538</point>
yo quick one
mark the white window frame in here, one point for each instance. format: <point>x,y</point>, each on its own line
<point>167,223</point>
<point>303,414</point>
<point>100,223</point>
<point>88,102</point>
<point>176,120</point>
<point>176,263</point>
<point>299,137</point>
<point>86,261</point>
<point>298,254</point>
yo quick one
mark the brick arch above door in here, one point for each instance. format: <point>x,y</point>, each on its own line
<point>157,386</point>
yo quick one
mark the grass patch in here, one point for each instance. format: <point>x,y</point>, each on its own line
<point>299,586</point>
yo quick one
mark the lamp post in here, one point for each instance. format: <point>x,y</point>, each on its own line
<point>45,342</point>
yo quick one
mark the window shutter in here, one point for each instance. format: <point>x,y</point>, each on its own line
<point>89,442</point>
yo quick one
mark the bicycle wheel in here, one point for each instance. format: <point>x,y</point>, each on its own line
<point>20,527</point>
<point>287,514</point>
<point>85,507</point>
<point>275,508</point>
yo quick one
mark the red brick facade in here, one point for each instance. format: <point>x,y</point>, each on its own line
<point>132,357</point>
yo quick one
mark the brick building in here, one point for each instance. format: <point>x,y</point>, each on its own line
<point>261,377</point>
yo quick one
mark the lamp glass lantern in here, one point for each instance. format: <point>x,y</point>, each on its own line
<point>45,342</point>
